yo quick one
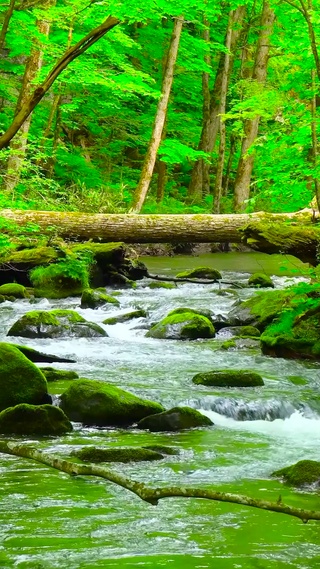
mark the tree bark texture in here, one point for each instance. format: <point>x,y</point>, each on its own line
<point>132,228</point>
<point>19,144</point>
<point>147,493</point>
<point>6,23</point>
<point>245,166</point>
<point>159,121</point>
<point>40,91</point>
<point>200,173</point>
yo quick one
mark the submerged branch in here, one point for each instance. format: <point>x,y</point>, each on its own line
<point>151,495</point>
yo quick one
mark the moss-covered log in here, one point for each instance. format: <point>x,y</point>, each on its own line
<point>152,495</point>
<point>293,238</point>
<point>132,228</point>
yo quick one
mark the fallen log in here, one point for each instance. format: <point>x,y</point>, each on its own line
<point>131,228</point>
<point>147,493</point>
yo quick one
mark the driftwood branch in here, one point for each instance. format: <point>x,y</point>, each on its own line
<point>147,494</point>
<point>193,281</point>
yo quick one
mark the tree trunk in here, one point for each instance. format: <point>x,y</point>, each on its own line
<point>195,228</point>
<point>160,118</point>
<point>6,23</point>
<point>222,109</point>
<point>245,166</point>
<point>69,56</point>
<point>315,138</point>
<point>162,180</point>
<point>19,145</point>
<point>210,127</point>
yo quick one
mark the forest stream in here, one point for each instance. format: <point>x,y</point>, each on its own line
<point>50,520</point>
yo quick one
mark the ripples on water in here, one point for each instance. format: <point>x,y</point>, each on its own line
<point>50,520</point>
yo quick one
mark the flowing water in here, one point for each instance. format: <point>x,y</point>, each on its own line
<point>50,520</point>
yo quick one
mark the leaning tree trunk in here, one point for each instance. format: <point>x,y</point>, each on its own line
<point>314,137</point>
<point>19,145</point>
<point>160,119</point>
<point>150,494</point>
<point>245,166</point>
<point>6,22</point>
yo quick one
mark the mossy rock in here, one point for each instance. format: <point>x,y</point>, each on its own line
<point>228,378</point>
<point>99,403</point>
<point>20,380</point>
<point>13,290</point>
<point>185,326</point>
<point>2,298</point>
<point>114,454</point>
<point>228,344</point>
<point>296,332</point>
<point>125,317</point>
<point>297,380</point>
<point>51,374</point>
<point>241,331</point>
<point>200,311</point>
<point>27,419</point>
<point>175,419</point>
<point>55,324</point>
<point>39,357</point>
<point>160,284</point>
<point>200,273</point>
<point>56,281</point>
<point>303,473</point>
<point>95,298</point>
<point>260,280</point>
<point>261,309</point>
<point>163,449</point>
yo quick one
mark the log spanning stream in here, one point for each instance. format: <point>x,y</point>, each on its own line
<point>50,520</point>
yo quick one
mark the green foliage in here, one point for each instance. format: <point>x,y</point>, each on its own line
<point>75,266</point>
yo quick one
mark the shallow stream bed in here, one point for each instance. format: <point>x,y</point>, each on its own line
<point>50,520</point>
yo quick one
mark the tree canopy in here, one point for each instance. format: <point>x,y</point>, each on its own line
<point>86,77</point>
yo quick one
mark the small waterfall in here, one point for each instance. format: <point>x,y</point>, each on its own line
<point>263,410</point>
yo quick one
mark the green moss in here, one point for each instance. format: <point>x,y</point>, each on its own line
<point>124,454</point>
<point>52,374</point>
<point>249,332</point>
<point>200,273</point>
<point>228,378</point>
<point>99,403</point>
<point>54,323</point>
<point>260,280</point>
<point>297,380</point>
<point>228,344</point>
<point>302,473</point>
<point>187,325</point>
<point>13,289</point>
<point>296,332</point>
<point>20,380</point>
<point>159,284</point>
<point>94,298</point>
<point>125,317</point>
<point>175,419</point>
<point>102,252</point>
<point>31,257</point>
<point>171,451</point>
<point>34,420</point>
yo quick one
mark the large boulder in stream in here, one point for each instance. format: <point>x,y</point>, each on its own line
<point>55,324</point>
<point>302,473</point>
<point>20,380</point>
<point>175,419</point>
<point>228,378</point>
<point>26,419</point>
<point>183,324</point>
<point>98,403</point>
